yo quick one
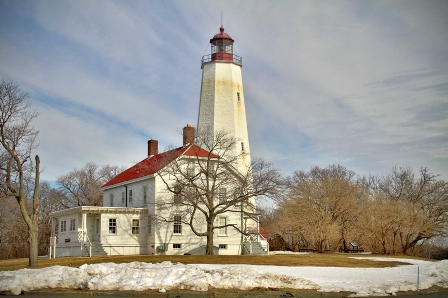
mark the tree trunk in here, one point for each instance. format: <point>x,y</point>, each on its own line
<point>32,222</point>
<point>209,250</point>
<point>34,244</point>
<point>393,243</point>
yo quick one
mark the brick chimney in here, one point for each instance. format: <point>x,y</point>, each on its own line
<point>153,147</point>
<point>188,133</point>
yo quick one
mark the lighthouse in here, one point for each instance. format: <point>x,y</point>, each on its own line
<point>221,106</point>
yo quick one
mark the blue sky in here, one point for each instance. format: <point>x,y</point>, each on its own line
<point>363,84</point>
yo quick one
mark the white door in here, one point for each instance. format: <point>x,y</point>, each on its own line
<point>97,230</point>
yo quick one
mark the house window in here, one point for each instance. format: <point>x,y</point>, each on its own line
<point>177,246</point>
<point>63,226</point>
<point>190,169</point>
<point>177,226</point>
<point>123,198</point>
<point>211,170</point>
<point>242,146</point>
<point>135,226</point>
<point>222,196</point>
<point>177,194</point>
<point>130,196</point>
<point>223,246</point>
<point>111,196</point>
<point>112,225</point>
<point>238,96</point>
<point>97,226</point>
<point>222,223</point>
<point>149,226</point>
<point>145,190</point>
<point>72,224</point>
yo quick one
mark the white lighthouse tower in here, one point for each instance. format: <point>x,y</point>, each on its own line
<point>221,106</point>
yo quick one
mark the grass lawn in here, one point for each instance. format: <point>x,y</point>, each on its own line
<point>328,260</point>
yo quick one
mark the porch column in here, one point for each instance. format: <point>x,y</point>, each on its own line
<point>84,225</point>
<point>52,227</point>
<point>81,236</point>
<point>52,240</point>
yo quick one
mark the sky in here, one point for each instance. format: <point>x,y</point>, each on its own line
<point>363,84</point>
<point>139,276</point>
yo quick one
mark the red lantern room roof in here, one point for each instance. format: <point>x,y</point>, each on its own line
<point>221,35</point>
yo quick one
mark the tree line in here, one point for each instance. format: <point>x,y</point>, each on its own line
<point>326,209</point>
<point>80,187</point>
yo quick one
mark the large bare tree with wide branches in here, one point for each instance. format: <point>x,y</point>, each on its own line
<point>18,169</point>
<point>211,183</point>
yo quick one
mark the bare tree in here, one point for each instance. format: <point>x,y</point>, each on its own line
<point>325,203</point>
<point>286,232</point>
<point>422,201</point>
<point>211,182</point>
<point>81,187</point>
<point>19,139</point>
<point>49,201</point>
<point>13,231</point>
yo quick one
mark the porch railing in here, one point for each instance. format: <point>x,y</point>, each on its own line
<point>82,238</point>
<point>252,237</point>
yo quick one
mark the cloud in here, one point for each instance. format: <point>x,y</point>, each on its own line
<point>362,84</point>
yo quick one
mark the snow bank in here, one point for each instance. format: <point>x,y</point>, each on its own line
<point>367,281</point>
<point>138,276</point>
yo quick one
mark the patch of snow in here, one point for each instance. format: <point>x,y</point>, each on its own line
<point>139,276</point>
<point>65,254</point>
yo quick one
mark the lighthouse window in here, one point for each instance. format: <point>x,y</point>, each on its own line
<point>238,96</point>
<point>242,146</point>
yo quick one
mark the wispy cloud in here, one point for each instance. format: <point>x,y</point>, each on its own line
<point>362,84</point>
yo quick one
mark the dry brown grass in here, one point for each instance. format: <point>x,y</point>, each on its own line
<point>332,260</point>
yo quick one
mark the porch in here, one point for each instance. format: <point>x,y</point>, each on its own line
<point>255,239</point>
<point>89,231</point>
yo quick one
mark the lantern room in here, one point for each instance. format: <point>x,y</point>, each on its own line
<point>222,46</point>
<point>222,49</point>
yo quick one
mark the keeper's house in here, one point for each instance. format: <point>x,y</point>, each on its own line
<point>126,224</point>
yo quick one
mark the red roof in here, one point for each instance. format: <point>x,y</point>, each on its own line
<point>153,164</point>
<point>221,35</point>
<point>263,232</point>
